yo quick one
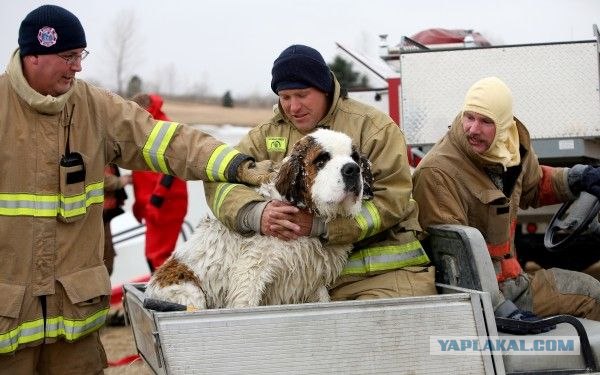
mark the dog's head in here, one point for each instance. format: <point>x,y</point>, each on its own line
<point>326,174</point>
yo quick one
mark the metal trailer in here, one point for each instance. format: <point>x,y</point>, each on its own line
<point>355,337</point>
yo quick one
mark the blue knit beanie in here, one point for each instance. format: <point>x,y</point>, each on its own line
<point>299,67</point>
<point>50,29</point>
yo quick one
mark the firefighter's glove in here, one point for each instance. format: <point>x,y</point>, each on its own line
<point>591,181</point>
<point>253,173</point>
<point>575,178</point>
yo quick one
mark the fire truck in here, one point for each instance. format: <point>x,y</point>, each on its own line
<point>556,95</point>
<point>454,332</point>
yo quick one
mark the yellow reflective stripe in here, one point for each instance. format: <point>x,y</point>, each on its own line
<point>24,333</point>
<point>77,204</point>
<point>385,258</point>
<point>21,204</point>
<point>72,329</point>
<point>220,193</point>
<point>157,143</point>
<point>12,204</point>
<point>219,161</point>
<point>368,220</point>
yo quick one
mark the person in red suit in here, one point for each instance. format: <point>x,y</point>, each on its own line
<point>160,200</point>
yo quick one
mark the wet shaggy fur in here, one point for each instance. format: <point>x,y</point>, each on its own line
<point>218,267</point>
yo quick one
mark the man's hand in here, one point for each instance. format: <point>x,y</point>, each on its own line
<point>285,221</point>
<point>253,173</point>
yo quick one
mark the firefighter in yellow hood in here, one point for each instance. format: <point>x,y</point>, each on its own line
<point>479,174</point>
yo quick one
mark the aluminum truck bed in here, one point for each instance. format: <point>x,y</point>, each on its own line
<point>354,337</point>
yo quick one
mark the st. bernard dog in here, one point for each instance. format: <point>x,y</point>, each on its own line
<point>218,267</point>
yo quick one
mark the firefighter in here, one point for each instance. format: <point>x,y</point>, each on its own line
<point>57,135</point>
<point>160,200</point>
<point>479,174</point>
<point>388,259</point>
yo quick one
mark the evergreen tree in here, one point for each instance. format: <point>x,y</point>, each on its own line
<point>348,78</point>
<point>227,100</point>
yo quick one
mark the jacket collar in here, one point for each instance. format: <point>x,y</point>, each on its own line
<point>46,104</point>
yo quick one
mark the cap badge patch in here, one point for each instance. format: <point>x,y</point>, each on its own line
<point>47,36</point>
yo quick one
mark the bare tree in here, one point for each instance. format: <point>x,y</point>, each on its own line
<point>170,75</point>
<point>123,46</point>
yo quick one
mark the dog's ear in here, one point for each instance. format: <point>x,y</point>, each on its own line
<point>289,180</point>
<point>367,175</point>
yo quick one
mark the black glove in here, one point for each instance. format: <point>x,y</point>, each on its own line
<point>590,181</point>
<point>584,178</point>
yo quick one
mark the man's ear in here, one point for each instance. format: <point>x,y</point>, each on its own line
<point>367,175</point>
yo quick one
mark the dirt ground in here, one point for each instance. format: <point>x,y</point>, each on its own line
<point>118,341</point>
<point>193,113</point>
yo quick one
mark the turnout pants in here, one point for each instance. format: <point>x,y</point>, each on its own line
<point>405,282</point>
<point>555,291</point>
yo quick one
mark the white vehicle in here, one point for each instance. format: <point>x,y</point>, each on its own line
<point>454,332</point>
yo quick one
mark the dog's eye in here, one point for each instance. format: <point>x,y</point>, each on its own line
<point>355,156</point>
<point>320,160</point>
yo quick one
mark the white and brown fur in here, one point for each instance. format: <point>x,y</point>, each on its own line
<point>218,267</point>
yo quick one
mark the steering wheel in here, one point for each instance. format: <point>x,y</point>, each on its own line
<point>570,220</point>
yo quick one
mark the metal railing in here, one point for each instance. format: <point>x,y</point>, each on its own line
<point>140,230</point>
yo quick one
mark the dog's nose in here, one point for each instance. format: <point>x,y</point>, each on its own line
<point>350,169</point>
<point>351,177</point>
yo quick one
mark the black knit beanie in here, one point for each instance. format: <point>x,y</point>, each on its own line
<point>299,67</point>
<point>50,29</point>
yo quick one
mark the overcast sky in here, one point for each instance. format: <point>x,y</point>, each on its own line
<point>221,45</point>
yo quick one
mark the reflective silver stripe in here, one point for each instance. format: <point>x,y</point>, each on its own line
<point>157,143</point>
<point>221,192</point>
<point>76,205</point>
<point>368,220</point>
<point>22,334</point>
<point>20,204</point>
<point>219,161</point>
<point>384,258</point>
<point>72,329</point>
